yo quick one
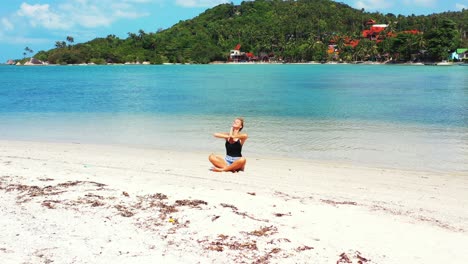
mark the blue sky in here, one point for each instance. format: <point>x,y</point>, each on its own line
<point>37,24</point>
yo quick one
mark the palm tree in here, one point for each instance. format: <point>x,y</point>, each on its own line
<point>405,44</point>
<point>391,27</point>
<point>26,50</point>
<point>153,44</point>
<point>420,42</point>
<point>386,48</point>
<point>340,45</point>
<point>133,38</point>
<point>365,49</point>
<point>319,50</point>
<point>141,34</point>
<point>111,40</point>
<point>60,44</point>
<point>70,39</point>
<point>373,51</point>
<point>132,35</point>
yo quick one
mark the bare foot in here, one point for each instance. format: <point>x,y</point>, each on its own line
<point>215,169</point>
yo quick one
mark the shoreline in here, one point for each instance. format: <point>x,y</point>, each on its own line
<point>437,63</point>
<point>326,162</point>
<point>80,203</point>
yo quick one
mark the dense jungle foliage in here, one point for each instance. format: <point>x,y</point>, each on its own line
<point>291,31</point>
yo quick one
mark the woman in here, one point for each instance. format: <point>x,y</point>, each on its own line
<point>233,161</point>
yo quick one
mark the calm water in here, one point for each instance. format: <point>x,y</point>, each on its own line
<point>409,117</point>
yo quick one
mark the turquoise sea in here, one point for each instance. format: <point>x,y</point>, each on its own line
<point>393,116</point>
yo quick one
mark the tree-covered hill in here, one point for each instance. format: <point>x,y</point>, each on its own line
<point>293,31</point>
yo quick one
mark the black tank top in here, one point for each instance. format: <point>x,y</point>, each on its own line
<point>234,149</point>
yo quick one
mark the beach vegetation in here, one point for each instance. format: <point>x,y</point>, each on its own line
<point>278,31</point>
<point>70,40</point>
<point>442,38</point>
<point>26,51</point>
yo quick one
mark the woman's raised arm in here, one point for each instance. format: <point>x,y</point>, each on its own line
<point>226,136</point>
<point>221,135</point>
<point>240,136</point>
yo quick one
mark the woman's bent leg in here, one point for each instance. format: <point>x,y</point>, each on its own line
<point>217,161</point>
<point>236,165</point>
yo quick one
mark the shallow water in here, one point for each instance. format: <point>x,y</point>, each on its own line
<point>405,117</point>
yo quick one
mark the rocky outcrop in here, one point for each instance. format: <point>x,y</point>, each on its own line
<point>34,61</point>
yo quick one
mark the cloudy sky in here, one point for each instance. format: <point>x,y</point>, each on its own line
<point>37,24</point>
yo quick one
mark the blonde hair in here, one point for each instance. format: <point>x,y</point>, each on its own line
<point>242,122</point>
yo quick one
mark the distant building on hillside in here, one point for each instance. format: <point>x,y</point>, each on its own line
<point>235,55</point>
<point>459,54</point>
<point>377,32</point>
<point>374,33</point>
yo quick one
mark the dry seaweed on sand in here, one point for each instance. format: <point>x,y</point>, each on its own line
<point>335,203</point>
<point>124,210</point>
<point>264,231</point>
<point>347,258</point>
<point>244,214</point>
<point>282,214</point>
<point>191,203</point>
<point>303,248</point>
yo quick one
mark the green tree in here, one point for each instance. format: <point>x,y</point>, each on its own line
<point>26,51</point>
<point>60,44</point>
<point>70,40</point>
<point>141,34</point>
<point>42,55</point>
<point>405,45</point>
<point>319,51</point>
<point>442,39</point>
<point>347,54</point>
<point>365,50</point>
<point>386,48</point>
<point>283,29</point>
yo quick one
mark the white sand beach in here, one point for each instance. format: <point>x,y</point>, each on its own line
<point>77,203</point>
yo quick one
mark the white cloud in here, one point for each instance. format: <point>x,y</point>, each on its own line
<point>75,17</point>
<point>459,6</point>
<point>72,14</point>
<point>7,25</point>
<point>85,14</point>
<point>373,4</point>
<point>123,14</point>
<point>124,10</point>
<point>23,40</point>
<point>200,3</point>
<point>41,16</point>
<point>92,21</point>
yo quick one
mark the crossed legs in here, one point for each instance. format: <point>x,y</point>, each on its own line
<point>220,164</point>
